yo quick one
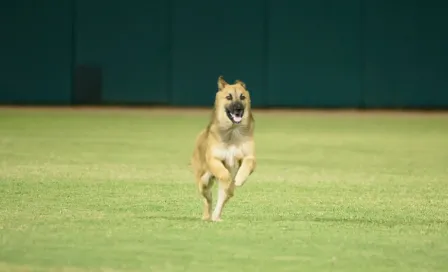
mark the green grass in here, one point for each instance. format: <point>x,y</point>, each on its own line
<point>112,191</point>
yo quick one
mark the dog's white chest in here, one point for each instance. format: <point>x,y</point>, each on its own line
<point>229,154</point>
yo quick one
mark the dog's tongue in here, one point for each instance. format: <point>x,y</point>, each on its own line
<point>236,118</point>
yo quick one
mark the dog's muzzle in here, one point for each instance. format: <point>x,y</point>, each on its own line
<point>235,112</point>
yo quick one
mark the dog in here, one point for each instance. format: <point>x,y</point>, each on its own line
<point>225,149</point>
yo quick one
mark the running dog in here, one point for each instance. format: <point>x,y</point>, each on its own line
<point>225,149</point>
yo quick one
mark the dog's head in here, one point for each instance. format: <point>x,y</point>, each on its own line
<point>232,101</point>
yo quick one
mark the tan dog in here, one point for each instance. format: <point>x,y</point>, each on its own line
<point>225,150</point>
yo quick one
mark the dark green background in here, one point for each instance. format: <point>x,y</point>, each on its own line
<point>318,53</point>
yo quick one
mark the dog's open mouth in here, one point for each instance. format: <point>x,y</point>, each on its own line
<point>236,116</point>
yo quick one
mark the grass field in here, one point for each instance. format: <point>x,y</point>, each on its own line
<point>110,190</point>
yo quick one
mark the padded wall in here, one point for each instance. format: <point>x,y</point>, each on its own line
<point>129,41</point>
<point>36,52</point>
<point>212,38</point>
<point>321,53</point>
<point>314,53</point>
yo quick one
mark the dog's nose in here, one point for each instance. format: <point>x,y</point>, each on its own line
<point>238,107</point>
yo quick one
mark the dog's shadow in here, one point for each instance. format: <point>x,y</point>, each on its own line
<point>362,221</point>
<point>170,218</point>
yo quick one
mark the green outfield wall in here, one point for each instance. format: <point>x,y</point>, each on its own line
<point>320,53</point>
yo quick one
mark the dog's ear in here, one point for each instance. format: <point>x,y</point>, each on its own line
<point>221,83</point>
<point>241,83</point>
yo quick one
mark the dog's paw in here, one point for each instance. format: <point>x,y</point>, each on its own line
<point>240,179</point>
<point>239,183</point>
<point>217,219</point>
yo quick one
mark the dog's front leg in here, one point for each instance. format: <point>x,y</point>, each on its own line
<point>225,191</point>
<point>247,167</point>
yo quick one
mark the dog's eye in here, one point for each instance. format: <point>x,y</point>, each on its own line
<point>242,97</point>
<point>229,97</point>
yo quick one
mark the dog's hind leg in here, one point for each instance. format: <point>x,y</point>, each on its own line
<point>225,192</point>
<point>205,184</point>
<point>226,186</point>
